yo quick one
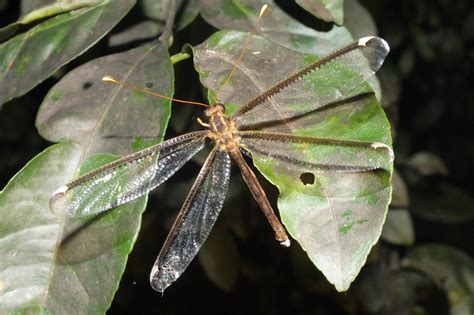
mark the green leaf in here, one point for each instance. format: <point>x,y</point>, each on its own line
<point>159,11</point>
<point>327,10</point>
<point>451,269</point>
<point>31,5</point>
<point>400,196</point>
<point>358,20</point>
<point>444,203</point>
<point>189,14</point>
<point>339,217</point>
<point>110,118</point>
<point>56,8</point>
<point>275,25</point>
<point>99,121</point>
<point>427,164</point>
<point>8,31</point>
<point>278,27</point>
<point>145,30</point>
<point>29,58</point>
<point>398,228</point>
<point>38,274</point>
<point>40,10</point>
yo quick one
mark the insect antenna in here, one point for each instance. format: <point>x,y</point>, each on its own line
<point>110,79</point>
<point>244,50</point>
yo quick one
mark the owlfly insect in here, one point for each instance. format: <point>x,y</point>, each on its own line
<point>134,175</point>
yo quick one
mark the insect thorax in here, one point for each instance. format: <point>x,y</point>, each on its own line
<point>222,127</point>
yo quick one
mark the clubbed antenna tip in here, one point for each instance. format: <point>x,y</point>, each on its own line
<point>109,79</point>
<point>262,10</point>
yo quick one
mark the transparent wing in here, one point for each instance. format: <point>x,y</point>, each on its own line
<point>127,178</point>
<point>310,154</point>
<point>194,221</point>
<point>327,80</point>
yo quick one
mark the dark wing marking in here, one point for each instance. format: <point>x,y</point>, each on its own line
<point>194,222</point>
<point>317,154</point>
<point>127,178</point>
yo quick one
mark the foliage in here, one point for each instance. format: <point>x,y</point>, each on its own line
<point>55,54</point>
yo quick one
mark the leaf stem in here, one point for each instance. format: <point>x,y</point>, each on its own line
<point>179,57</point>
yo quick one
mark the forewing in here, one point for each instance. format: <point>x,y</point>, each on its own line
<point>126,179</point>
<point>194,221</point>
<point>339,75</point>
<point>268,84</point>
<point>310,154</point>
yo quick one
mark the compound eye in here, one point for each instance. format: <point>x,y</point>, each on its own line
<point>218,107</point>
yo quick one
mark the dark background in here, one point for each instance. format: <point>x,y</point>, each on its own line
<point>431,91</point>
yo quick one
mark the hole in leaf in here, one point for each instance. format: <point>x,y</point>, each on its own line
<point>307,178</point>
<point>87,85</point>
<point>149,85</point>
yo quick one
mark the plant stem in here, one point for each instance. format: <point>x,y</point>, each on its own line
<point>179,57</point>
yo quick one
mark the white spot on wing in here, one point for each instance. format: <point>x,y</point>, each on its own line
<point>378,145</point>
<point>60,191</point>
<point>364,40</point>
